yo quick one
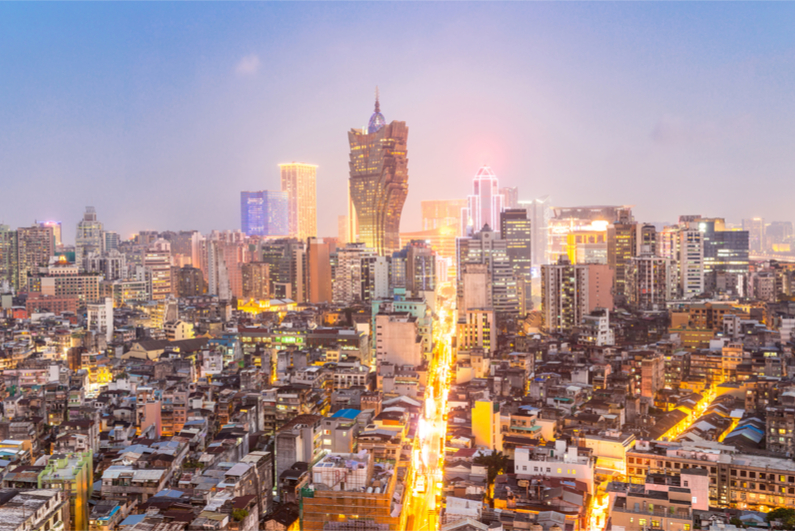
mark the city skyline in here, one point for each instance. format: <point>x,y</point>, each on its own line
<point>101,129</point>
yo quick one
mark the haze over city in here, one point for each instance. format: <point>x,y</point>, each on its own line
<point>159,113</point>
<point>393,266</point>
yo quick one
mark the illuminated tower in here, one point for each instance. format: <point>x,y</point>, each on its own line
<point>485,205</point>
<point>379,181</point>
<point>298,182</point>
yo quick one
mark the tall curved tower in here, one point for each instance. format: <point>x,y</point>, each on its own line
<point>379,180</point>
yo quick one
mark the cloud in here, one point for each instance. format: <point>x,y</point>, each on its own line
<point>248,66</point>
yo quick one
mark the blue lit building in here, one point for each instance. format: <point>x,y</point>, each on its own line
<point>263,213</point>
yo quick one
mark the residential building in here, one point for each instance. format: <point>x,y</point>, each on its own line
<point>569,292</point>
<point>256,280</point>
<point>74,474</point>
<point>157,260</point>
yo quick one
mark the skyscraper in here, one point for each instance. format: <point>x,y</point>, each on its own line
<point>157,259</point>
<point>486,247</point>
<point>538,212</point>
<point>299,183</point>
<point>89,236</point>
<point>379,181</point>
<point>264,213</point>
<point>9,257</point>
<point>485,204</point>
<point>516,230</point>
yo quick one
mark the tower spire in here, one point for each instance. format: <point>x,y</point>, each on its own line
<point>377,103</point>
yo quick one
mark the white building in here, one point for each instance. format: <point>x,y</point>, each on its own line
<point>99,317</point>
<point>345,472</point>
<point>485,204</point>
<point>397,339</point>
<point>562,462</point>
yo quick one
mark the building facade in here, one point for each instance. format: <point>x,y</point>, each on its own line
<point>379,181</point>
<point>299,183</point>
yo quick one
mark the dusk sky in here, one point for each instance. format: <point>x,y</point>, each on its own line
<point>159,114</point>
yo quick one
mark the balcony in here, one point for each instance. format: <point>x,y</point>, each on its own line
<point>660,512</point>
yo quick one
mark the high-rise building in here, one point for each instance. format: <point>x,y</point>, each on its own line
<point>89,236</point>
<point>299,183</point>
<point>648,282</point>
<point>621,246</point>
<point>756,234</point>
<point>569,292</point>
<point>56,231</point>
<point>318,271</point>
<point>256,280</point>
<point>516,230</point>
<point>684,249</point>
<point>157,259</point>
<point>111,240</point>
<point>9,257</point>
<point>485,204</point>
<point>379,181</point>
<point>360,275</point>
<point>485,247</point>
<point>510,197</point>
<point>264,213</point>
<point>725,255</point>
<point>99,317</point>
<point>218,282</point>
<point>539,213</point>
<point>190,282</point>
<point>414,267</point>
<point>36,246</point>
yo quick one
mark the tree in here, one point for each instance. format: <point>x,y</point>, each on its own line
<point>239,514</point>
<point>783,515</point>
<point>495,464</point>
<point>736,522</point>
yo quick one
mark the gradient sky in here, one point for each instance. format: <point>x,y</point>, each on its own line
<point>158,114</point>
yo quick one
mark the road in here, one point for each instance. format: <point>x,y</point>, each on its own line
<point>428,452</point>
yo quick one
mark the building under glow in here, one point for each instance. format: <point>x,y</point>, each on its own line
<point>379,181</point>
<point>485,204</point>
<point>264,213</point>
<point>299,183</point>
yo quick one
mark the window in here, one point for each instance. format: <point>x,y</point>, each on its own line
<point>642,522</point>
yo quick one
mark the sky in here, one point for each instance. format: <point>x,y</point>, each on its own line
<point>159,114</point>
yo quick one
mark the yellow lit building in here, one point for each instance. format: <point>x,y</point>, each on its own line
<point>299,181</point>
<point>256,307</point>
<point>486,425</point>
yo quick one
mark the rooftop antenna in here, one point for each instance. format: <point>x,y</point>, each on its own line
<point>377,104</point>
